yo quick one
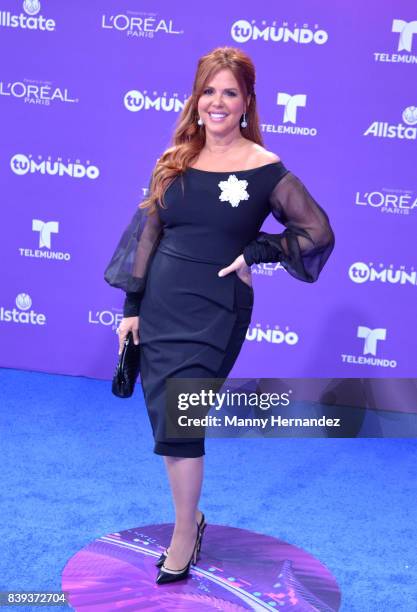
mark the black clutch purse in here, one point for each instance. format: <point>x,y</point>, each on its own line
<point>127,369</point>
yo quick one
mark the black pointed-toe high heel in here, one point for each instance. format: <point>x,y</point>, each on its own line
<point>166,575</point>
<point>201,526</point>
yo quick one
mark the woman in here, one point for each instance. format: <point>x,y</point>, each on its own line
<point>197,237</point>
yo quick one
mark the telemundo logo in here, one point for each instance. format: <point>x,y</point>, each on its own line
<point>406,31</point>
<point>369,357</point>
<point>23,313</point>
<point>291,104</point>
<point>45,230</point>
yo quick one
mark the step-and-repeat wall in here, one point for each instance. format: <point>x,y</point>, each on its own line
<point>89,96</point>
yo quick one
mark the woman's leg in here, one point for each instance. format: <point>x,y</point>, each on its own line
<point>185,476</point>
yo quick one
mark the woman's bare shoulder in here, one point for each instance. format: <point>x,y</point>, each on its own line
<point>261,156</point>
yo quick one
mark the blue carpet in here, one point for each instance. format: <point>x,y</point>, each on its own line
<point>77,463</point>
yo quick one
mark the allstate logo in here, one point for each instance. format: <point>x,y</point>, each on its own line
<point>30,19</point>
<point>31,7</point>
<point>23,301</point>
<point>383,129</point>
<point>359,272</point>
<point>134,100</point>
<point>410,115</point>
<point>23,313</point>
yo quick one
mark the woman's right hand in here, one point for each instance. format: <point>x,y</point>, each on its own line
<point>128,324</point>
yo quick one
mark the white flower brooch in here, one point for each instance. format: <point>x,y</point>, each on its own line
<point>233,190</point>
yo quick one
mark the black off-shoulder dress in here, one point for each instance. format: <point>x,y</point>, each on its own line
<point>193,322</point>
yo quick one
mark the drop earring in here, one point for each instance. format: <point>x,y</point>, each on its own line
<point>200,121</point>
<point>244,123</point>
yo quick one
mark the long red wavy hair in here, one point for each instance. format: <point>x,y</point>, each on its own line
<point>189,138</point>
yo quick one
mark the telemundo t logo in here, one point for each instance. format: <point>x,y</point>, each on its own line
<point>45,229</point>
<point>370,338</point>
<point>406,31</point>
<point>291,104</point>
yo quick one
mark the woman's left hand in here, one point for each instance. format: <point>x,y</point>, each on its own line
<point>242,270</point>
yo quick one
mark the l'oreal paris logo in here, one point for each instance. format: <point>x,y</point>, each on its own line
<point>396,201</point>
<point>107,318</point>
<point>267,269</point>
<point>32,93</point>
<point>144,25</point>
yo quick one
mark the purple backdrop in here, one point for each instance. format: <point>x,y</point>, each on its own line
<point>89,95</point>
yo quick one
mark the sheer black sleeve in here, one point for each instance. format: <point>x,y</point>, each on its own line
<point>305,245</point>
<point>129,264</point>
